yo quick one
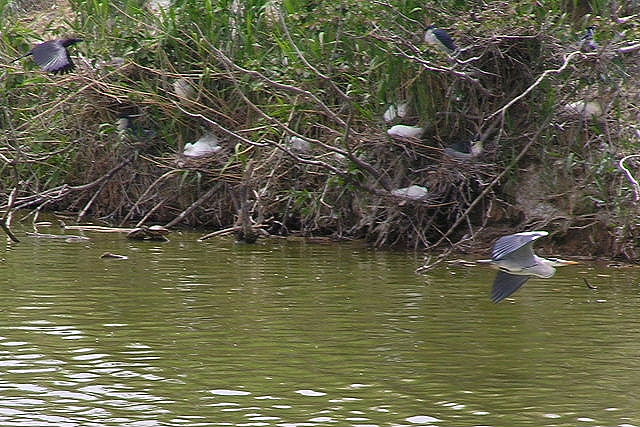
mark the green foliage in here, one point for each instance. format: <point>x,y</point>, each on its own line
<point>271,68</point>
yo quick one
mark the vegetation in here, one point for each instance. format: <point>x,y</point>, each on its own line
<point>262,74</point>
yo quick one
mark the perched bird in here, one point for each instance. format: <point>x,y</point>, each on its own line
<point>207,145</point>
<point>128,129</point>
<point>53,56</point>
<point>464,150</point>
<point>513,255</point>
<point>442,39</point>
<point>413,192</point>
<point>587,43</point>
<point>404,131</point>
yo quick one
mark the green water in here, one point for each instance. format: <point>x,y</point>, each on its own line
<point>293,334</point>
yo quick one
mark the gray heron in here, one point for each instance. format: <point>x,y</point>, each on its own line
<point>513,255</point>
<point>52,55</point>
<point>438,37</point>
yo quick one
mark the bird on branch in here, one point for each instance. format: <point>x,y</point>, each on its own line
<point>588,43</point>
<point>439,37</point>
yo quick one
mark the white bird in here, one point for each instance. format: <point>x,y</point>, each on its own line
<point>395,111</point>
<point>413,192</point>
<point>207,145</point>
<point>404,131</point>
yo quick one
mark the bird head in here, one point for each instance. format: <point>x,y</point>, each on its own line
<point>428,32</point>
<point>476,148</point>
<point>70,41</point>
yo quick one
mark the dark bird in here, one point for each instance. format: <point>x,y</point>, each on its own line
<point>513,255</point>
<point>464,150</point>
<point>128,129</point>
<point>587,43</point>
<point>437,37</point>
<point>53,56</point>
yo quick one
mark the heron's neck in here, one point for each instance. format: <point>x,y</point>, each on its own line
<point>545,267</point>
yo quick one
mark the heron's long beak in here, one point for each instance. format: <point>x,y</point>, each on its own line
<point>558,262</point>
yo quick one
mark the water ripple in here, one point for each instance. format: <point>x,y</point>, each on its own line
<point>281,334</point>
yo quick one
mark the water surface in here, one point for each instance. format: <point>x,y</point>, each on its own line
<point>297,334</point>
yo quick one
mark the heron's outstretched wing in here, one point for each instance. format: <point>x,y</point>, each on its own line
<point>511,243</point>
<point>53,57</point>
<point>506,284</point>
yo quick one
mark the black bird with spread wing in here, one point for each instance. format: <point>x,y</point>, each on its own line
<point>53,56</point>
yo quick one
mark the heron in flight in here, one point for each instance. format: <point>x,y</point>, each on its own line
<point>514,256</point>
<point>52,55</point>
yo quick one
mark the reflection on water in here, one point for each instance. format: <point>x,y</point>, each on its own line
<point>293,334</point>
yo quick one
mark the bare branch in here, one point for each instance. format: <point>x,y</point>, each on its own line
<point>629,175</point>
<point>535,84</point>
<point>630,48</point>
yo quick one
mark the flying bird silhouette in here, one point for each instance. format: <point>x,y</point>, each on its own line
<point>52,56</point>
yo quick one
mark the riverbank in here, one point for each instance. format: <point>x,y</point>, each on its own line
<point>275,116</point>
